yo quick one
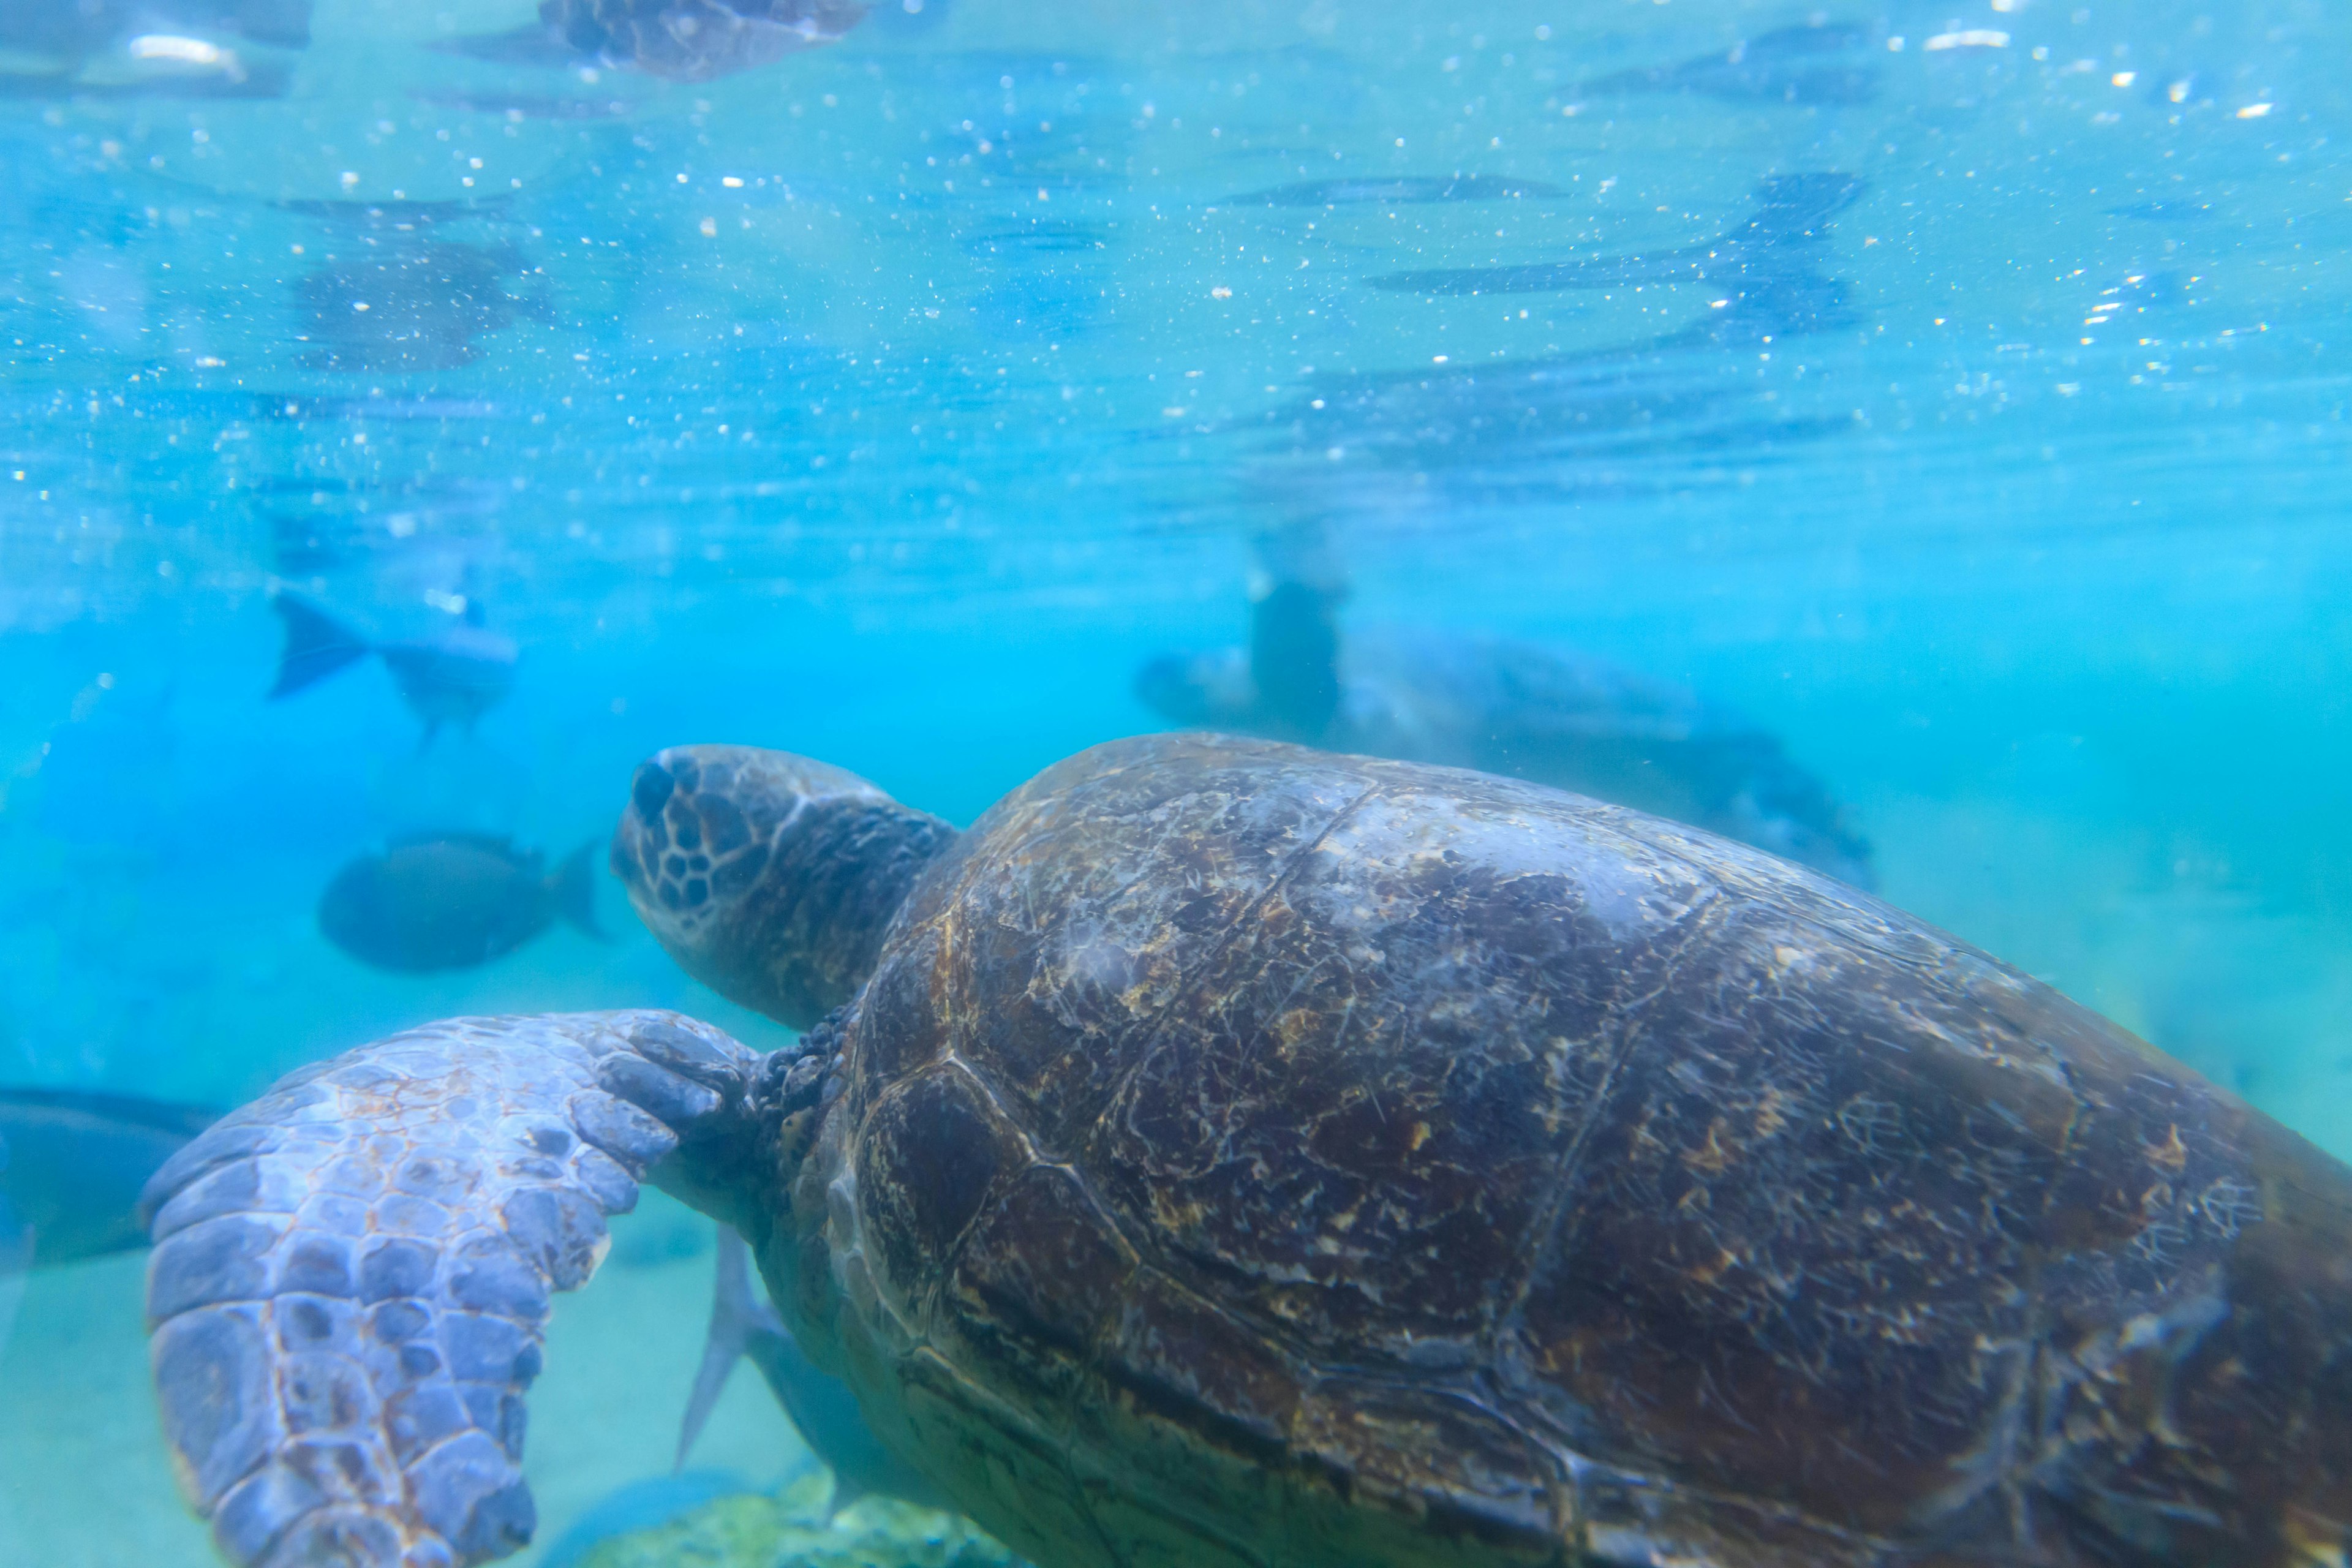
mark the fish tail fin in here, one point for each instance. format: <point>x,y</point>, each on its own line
<point>737,1317</point>
<point>573,888</point>
<point>845,1492</point>
<point>317,645</point>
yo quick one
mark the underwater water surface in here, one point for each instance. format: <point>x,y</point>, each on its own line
<point>1944,399</point>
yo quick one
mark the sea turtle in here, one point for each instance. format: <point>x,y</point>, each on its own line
<point>1504,706</point>
<point>1230,1154</point>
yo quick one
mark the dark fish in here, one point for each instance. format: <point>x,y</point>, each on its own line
<point>1792,214</point>
<point>452,900</point>
<point>1504,707</point>
<point>1396,191</point>
<point>1786,65</point>
<point>455,677</point>
<point>820,1406</point>
<point>72,1163</point>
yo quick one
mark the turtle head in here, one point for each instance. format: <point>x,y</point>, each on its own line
<point>769,877</point>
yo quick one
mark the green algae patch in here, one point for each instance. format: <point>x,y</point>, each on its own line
<point>789,1530</point>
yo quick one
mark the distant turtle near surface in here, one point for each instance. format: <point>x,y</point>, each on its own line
<point>681,41</point>
<point>1228,1154</point>
<point>1507,706</point>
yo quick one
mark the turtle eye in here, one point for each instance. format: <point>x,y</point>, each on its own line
<point>650,790</point>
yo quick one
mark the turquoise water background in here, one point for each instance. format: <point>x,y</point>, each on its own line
<point>894,402</point>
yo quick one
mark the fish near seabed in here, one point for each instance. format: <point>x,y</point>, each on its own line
<point>72,1163</point>
<point>452,900</point>
<point>824,1408</point>
<point>455,677</point>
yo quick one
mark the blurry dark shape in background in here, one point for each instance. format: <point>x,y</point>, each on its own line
<point>72,1163</point>
<point>1786,65</point>
<point>1505,707</point>
<point>456,676</point>
<point>680,40</point>
<point>453,901</point>
<point>1400,190</point>
<point>822,1406</point>
<point>1776,245</point>
<point>411,305</point>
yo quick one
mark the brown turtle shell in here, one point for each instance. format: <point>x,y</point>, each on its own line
<point>1254,1156</point>
<point>694,40</point>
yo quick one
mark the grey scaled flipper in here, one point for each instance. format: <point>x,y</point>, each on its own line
<point>351,1276</point>
<point>820,1406</point>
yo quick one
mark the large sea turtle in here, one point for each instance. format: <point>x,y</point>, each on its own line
<point>1229,1153</point>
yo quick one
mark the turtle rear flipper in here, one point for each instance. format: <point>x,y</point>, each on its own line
<point>351,1276</point>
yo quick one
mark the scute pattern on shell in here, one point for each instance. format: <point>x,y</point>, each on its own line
<point>352,1275</point>
<point>694,40</point>
<point>1253,1156</point>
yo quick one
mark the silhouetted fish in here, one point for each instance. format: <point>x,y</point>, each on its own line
<point>1791,214</point>
<point>456,676</point>
<point>452,900</point>
<point>72,1163</point>
<point>2165,211</point>
<point>820,1405</point>
<point>1786,65</point>
<point>1396,191</point>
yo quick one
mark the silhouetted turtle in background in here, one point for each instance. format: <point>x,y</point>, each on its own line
<point>1228,1154</point>
<point>683,40</point>
<point>1501,706</point>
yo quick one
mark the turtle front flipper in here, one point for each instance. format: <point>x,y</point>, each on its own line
<point>350,1277</point>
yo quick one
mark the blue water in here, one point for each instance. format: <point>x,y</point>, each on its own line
<point>895,402</point>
